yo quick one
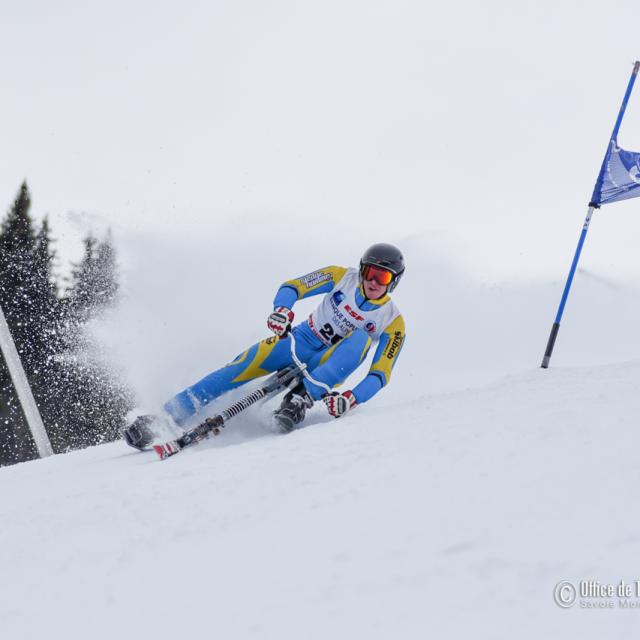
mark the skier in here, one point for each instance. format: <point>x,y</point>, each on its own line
<point>355,312</point>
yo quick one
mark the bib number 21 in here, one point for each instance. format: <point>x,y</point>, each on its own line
<point>329,334</point>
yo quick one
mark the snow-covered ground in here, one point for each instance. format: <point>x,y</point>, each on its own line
<point>450,505</point>
<point>453,515</point>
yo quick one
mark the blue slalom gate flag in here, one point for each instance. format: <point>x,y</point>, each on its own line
<point>619,177</point>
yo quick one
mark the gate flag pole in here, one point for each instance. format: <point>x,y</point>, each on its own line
<point>20,382</point>
<point>607,189</point>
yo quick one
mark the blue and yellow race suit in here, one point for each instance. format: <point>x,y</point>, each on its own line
<point>333,341</point>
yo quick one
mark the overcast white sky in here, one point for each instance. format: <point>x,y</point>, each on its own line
<point>482,124</point>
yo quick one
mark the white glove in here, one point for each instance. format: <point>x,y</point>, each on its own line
<point>339,403</point>
<point>279,321</point>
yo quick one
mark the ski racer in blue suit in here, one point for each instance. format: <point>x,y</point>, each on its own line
<point>356,312</point>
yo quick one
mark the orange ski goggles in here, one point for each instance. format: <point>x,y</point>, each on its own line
<point>382,276</point>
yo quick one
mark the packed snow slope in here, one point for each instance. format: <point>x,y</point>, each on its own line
<point>450,505</point>
<point>452,515</point>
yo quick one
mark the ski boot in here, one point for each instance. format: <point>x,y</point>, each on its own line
<point>139,434</point>
<point>293,409</point>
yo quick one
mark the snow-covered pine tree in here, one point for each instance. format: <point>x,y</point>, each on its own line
<point>80,400</point>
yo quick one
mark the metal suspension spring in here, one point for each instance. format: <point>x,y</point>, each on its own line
<point>243,404</point>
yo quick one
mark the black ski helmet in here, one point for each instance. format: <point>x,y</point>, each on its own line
<point>386,256</point>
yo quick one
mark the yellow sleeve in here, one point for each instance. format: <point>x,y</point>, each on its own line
<point>388,350</point>
<point>319,281</point>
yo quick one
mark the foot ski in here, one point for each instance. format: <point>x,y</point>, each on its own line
<point>293,409</point>
<point>139,434</point>
<point>211,426</point>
